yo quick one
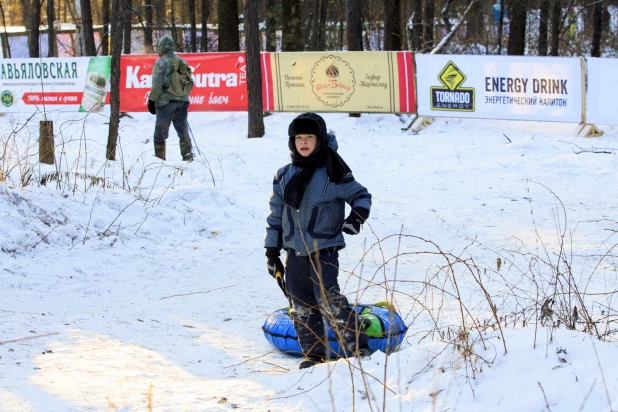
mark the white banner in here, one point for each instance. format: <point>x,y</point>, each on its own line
<point>602,91</point>
<point>500,87</point>
<point>54,84</point>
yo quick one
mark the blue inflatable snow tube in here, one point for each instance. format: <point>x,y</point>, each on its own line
<point>386,332</point>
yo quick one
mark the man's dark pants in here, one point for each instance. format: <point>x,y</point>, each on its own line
<point>311,285</point>
<point>175,112</point>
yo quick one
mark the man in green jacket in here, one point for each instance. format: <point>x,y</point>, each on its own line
<point>169,108</point>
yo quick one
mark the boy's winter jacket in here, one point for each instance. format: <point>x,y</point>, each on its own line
<point>317,223</point>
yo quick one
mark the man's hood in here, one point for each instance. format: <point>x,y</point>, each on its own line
<point>165,44</point>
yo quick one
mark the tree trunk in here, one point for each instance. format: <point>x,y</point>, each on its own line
<point>35,34</point>
<point>476,23</point>
<point>444,13</point>
<point>314,25</point>
<point>556,23</point>
<point>105,37</point>
<point>322,25</point>
<point>26,13</point>
<point>517,32</point>
<point>205,15</point>
<point>291,36</point>
<point>118,12</point>
<point>543,27</point>
<point>87,29</point>
<point>354,27</point>
<point>392,27</point>
<point>598,29</point>
<point>417,25</point>
<point>148,42</point>
<point>192,21</point>
<point>5,40</point>
<point>428,22</point>
<point>128,19</point>
<point>51,33</point>
<point>271,28</point>
<point>501,26</point>
<point>228,25</point>
<point>254,82</point>
<point>160,7</point>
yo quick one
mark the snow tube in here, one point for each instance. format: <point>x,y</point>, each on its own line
<point>386,332</point>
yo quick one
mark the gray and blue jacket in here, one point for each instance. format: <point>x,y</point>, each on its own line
<point>317,223</point>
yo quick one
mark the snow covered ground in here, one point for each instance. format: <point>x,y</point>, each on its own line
<point>141,284</point>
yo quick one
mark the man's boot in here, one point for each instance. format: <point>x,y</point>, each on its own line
<point>160,150</point>
<point>186,150</point>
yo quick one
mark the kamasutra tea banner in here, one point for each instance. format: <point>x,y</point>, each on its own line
<point>367,82</point>
<point>220,81</point>
<point>54,84</point>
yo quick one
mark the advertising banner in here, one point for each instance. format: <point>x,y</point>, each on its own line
<point>220,81</point>
<point>54,84</point>
<point>379,82</point>
<point>500,87</point>
<point>602,89</point>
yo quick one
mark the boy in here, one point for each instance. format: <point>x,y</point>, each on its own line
<point>306,219</point>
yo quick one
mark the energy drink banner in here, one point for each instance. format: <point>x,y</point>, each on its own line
<point>500,87</point>
<point>54,84</point>
<point>220,81</point>
<point>602,89</point>
<point>379,82</point>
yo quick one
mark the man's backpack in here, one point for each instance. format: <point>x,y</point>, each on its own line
<point>181,82</point>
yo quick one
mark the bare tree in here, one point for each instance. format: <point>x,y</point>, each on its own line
<point>35,22</point>
<point>354,26</point>
<point>128,20</point>
<point>118,13</point>
<point>193,23</point>
<point>598,29</point>
<point>254,81</point>
<point>160,8</point>
<point>444,13</point>
<point>51,33</point>
<point>556,23</point>
<point>476,23</point>
<point>271,28</point>
<point>417,25</point>
<point>392,25</point>
<point>87,29</point>
<point>205,15</point>
<point>501,26</point>
<point>322,25</point>
<point>543,27</point>
<point>291,36</point>
<point>314,25</point>
<point>5,40</point>
<point>229,39</point>
<point>517,31</point>
<point>106,20</point>
<point>429,13</point>
<point>148,41</point>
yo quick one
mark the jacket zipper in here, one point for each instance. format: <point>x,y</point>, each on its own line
<point>325,186</point>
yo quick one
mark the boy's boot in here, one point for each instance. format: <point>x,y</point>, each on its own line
<point>160,150</point>
<point>186,149</point>
<point>310,361</point>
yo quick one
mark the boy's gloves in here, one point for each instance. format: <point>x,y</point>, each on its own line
<point>273,263</point>
<point>353,223</point>
<point>151,107</point>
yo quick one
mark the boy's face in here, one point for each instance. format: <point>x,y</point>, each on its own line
<point>305,144</point>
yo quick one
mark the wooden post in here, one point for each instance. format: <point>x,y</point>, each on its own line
<point>46,142</point>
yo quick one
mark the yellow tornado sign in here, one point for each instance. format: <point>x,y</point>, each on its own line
<point>452,96</point>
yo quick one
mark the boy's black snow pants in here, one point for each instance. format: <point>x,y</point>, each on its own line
<point>311,285</point>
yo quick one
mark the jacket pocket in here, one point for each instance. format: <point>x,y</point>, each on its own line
<point>321,224</point>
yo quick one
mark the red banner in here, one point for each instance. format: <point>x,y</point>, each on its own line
<point>220,81</point>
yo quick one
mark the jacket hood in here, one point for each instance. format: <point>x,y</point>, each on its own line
<point>165,44</point>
